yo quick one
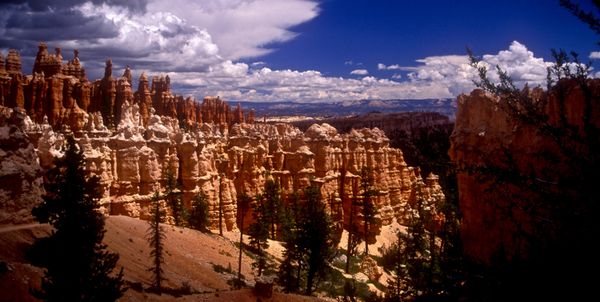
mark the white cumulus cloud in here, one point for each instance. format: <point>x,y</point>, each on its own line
<point>359,72</point>
<point>382,66</point>
<point>199,44</point>
<point>180,35</point>
<point>242,28</point>
<point>456,74</point>
<point>520,63</point>
<point>433,77</point>
<point>595,55</point>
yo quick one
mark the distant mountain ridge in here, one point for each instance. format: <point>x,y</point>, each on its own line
<point>446,107</point>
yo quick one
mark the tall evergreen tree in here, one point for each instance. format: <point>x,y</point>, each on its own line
<point>368,208</point>
<point>273,210</point>
<point>173,196</point>
<point>78,267</point>
<point>314,237</point>
<point>259,234</point>
<point>290,268</point>
<point>353,233</point>
<point>199,217</point>
<point>156,238</point>
<point>395,259</point>
<point>222,166</point>
<point>412,257</point>
<point>243,205</point>
<point>418,249</point>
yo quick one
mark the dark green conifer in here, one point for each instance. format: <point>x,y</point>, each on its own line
<point>78,267</point>
<point>199,216</point>
<point>289,270</point>
<point>173,197</point>
<point>314,237</point>
<point>368,208</point>
<point>156,238</point>
<point>259,234</point>
<point>243,206</point>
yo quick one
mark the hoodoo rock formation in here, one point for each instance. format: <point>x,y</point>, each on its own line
<point>62,93</point>
<point>494,150</point>
<point>212,148</point>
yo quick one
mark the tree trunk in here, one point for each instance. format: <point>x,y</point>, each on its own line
<point>220,206</point>
<point>309,282</point>
<point>157,256</point>
<point>260,266</point>
<point>272,223</point>
<point>298,273</point>
<point>366,237</point>
<point>432,253</point>
<point>350,230</point>
<point>241,247</point>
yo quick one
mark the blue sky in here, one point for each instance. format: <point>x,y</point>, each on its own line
<point>302,50</point>
<point>400,32</point>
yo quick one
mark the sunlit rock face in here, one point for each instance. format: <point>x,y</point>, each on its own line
<point>60,92</point>
<point>497,214</point>
<point>130,138</point>
<point>131,161</point>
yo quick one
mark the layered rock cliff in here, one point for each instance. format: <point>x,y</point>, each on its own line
<point>131,139</point>
<point>519,173</point>
<point>131,162</point>
<point>61,93</point>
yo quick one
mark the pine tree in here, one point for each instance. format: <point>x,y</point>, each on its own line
<point>314,237</point>
<point>289,270</point>
<point>417,248</point>
<point>222,166</point>
<point>450,260</point>
<point>173,196</point>
<point>156,238</point>
<point>395,259</point>
<point>78,267</point>
<point>353,233</point>
<point>412,257</point>
<point>259,234</point>
<point>587,17</point>
<point>272,200</point>
<point>368,208</point>
<point>199,217</point>
<point>243,205</point>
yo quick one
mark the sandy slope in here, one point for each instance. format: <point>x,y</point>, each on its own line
<point>189,258</point>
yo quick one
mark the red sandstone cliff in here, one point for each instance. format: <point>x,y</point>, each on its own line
<point>512,172</point>
<point>62,93</point>
<point>214,149</point>
<point>131,159</point>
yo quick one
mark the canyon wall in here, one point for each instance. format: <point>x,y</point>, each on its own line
<point>132,159</point>
<point>131,162</point>
<point>131,139</point>
<point>515,172</point>
<point>390,123</point>
<point>61,93</point>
